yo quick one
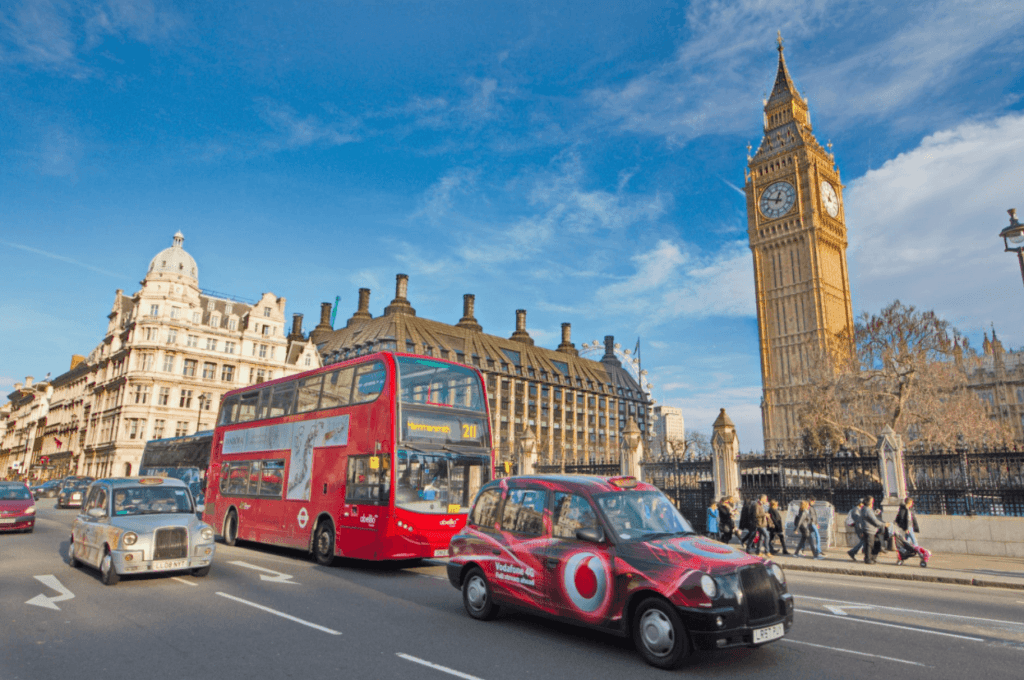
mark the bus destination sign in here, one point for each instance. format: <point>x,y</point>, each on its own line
<point>443,428</point>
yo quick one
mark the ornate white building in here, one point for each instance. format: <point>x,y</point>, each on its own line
<point>170,352</point>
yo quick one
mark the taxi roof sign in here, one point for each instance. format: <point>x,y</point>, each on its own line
<point>151,480</point>
<point>623,482</point>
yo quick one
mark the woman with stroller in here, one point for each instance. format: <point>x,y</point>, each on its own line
<point>906,519</point>
<point>803,527</point>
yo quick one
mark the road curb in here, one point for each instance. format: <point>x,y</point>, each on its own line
<point>905,576</point>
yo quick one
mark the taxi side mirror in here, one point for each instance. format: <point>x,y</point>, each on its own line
<point>200,508</point>
<point>590,534</point>
<point>96,513</point>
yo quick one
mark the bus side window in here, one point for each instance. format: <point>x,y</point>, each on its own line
<point>273,478</point>
<point>264,407</point>
<point>337,388</point>
<point>369,478</point>
<point>282,400</point>
<point>229,410</point>
<point>247,406</point>
<point>236,479</point>
<point>309,394</point>
<point>369,382</point>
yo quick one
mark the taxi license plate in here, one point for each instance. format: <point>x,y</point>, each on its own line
<point>768,634</point>
<point>443,552</point>
<point>11,521</point>
<point>170,564</point>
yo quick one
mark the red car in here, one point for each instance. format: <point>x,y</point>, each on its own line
<point>17,507</point>
<point>615,554</point>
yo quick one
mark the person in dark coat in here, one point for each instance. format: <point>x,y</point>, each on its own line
<point>777,528</point>
<point>803,527</point>
<point>855,522</point>
<point>726,523</point>
<point>906,519</point>
<point>870,525</point>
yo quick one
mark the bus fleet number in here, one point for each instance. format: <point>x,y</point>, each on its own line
<point>469,431</point>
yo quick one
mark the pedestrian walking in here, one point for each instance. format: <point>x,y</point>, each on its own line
<point>726,523</point>
<point>870,525</point>
<point>761,524</point>
<point>855,522</point>
<point>815,534</point>
<point>777,528</point>
<point>747,523</point>
<point>906,519</point>
<point>803,527</point>
<point>712,521</point>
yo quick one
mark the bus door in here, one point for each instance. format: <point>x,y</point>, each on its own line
<point>327,493</point>
<point>365,509</point>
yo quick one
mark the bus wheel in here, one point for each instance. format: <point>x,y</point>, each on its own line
<point>323,544</point>
<point>476,596</point>
<point>231,528</point>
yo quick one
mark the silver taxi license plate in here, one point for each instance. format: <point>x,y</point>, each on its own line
<point>175,564</point>
<point>768,634</point>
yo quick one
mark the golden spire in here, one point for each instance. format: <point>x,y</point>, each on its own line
<point>783,83</point>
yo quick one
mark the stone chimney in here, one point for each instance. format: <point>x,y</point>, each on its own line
<point>296,333</point>
<point>324,328</point>
<point>521,335</point>
<point>76,359</point>
<point>28,381</point>
<point>609,358</point>
<point>469,321</point>
<point>567,347</point>
<point>363,313</point>
<point>400,305</point>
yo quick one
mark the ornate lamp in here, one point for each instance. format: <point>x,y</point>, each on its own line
<point>1013,239</point>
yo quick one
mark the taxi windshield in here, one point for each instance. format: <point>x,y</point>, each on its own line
<point>152,500</point>
<point>642,515</point>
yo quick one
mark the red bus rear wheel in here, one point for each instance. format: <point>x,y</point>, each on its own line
<point>323,543</point>
<point>231,528</point>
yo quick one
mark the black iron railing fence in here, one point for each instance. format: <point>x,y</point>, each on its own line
<point>989,482</point>
<point>841,481</point>
<point>689,483</point>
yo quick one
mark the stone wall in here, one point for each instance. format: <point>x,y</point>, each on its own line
<point>977,535</point>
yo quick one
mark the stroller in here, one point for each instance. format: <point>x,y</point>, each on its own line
<point>905,550</point>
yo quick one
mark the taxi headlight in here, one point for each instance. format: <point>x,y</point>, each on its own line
<point>777,573</point>
<point>709,586</point>
<point>129,538</point>
<point>206,534</point>
<point>31,511</point>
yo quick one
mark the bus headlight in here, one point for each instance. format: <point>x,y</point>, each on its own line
<point>777,573</point>
<point>129,538</point>
<point>708,585</point>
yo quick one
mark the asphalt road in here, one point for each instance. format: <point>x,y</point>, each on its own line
<point>268,613</point>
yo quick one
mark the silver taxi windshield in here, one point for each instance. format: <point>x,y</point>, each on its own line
<point>152,500</point>
<point>642,515</point>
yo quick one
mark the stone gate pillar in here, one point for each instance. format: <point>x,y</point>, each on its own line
<point>526,454</point>
<point>726,446</point>
<point>890,465</point>
<point>632,451</point>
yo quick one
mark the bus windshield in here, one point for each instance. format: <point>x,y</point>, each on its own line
<point>423,382</point>
<point>439,482</point>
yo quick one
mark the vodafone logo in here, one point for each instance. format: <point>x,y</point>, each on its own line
<point>303,518</point>
<point>585,580</point>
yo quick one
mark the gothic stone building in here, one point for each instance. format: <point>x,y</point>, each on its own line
<point>577,408</point>
<point>797,231</point>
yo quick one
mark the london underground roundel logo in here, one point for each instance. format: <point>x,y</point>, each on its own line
<point>585,579</point>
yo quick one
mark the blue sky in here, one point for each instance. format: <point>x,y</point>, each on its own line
<point>580,160</point>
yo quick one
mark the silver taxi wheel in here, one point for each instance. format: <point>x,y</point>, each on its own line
<point>108,574</point>
<point>659,634</point>
<point>476,596</point>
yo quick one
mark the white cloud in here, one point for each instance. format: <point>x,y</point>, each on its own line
<point>295,131</point>
<point>924,227</point>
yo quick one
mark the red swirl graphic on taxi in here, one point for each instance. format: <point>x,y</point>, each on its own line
<point>585,580</point>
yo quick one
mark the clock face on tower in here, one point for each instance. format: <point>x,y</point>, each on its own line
<point>777,199</point>
<point>829,198</point>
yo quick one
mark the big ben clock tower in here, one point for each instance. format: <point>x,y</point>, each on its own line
<point>797,231</point>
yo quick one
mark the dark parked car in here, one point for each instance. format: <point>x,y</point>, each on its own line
<point>17,507</point>
<point>48,489</point>
<point>73,492</point>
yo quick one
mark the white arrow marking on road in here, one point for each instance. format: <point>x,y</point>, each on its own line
<point>50,581</point>
<point>278,577</point>
<point>841,611</point>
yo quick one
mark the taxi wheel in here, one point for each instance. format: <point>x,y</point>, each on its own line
<point>231,528</point>
<point>476,596</point>
<point>108,574</point>
<point>72,560</point>
<point>201,571</point>
<point>323,544</point>
<point>659,634</point>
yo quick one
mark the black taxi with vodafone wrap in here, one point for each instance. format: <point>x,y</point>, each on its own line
<point>614,553</point>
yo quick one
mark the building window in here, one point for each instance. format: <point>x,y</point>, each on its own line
<point>211,344</point>
<point>266,329</point>
<point>309,360</point>
<point>227,308</point>
<point>263,351</point>
<point>141,393</point>
<point>146,362</point>
<point>168,363</point>
<point>181,429</point>
<point>229,347</point>
<point>152,334</point>
<point>192,341</point>
<point>227,373</point>
<point>158,429</point>
<point>189,370</point>
<point>209,305</point>
<point>197,317</point>
<point>206,401</point>
<point>256,375</point>
<point>172,336</point>
<point>186,399</point>
<point>209,371</point>
<point>154,310</point>
<point>266,311</point>
<point>232,324</point>
<point>165,396</point>
<point>215,321</point>
<point>175,311</point>
<point>136,428</point>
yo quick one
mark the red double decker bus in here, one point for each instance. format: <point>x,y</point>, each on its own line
<point>376,458</point>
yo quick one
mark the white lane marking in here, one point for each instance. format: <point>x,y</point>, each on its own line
<point>278,577</point>
<point>181,580</point>
<point>41,600</point>
<point>789,577</point>
<point>841,611</point>
<point>911,611</point>
<point>443,669</point>
<point>890,625</point>
<point>281,614</point>
<point>439,578</point>
<point>853,651</point>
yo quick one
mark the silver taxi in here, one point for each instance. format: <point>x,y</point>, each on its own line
<point>139,525</point>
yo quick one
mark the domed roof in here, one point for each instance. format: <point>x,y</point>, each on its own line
<point>175,260</point>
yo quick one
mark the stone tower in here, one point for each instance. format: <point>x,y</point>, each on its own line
<point>797,231</point>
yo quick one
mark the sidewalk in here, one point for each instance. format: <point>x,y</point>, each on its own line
<point>968,570</point>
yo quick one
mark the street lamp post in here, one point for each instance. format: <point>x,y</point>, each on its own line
<point>202,402</point>
<point>1013,239</point>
